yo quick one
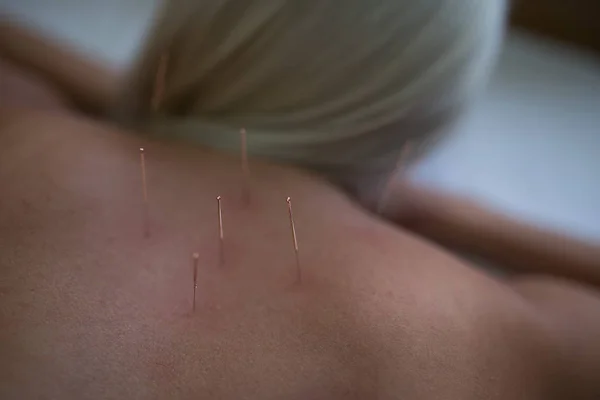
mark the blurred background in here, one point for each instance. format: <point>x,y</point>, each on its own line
<point>530,146</point>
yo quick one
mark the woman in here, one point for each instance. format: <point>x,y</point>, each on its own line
<point>336,87</point>
<point>91,308</point>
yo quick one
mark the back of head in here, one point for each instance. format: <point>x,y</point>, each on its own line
<point>327,84</point>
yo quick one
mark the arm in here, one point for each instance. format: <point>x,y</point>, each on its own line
<point>570,316</point>
<point>567,313</point>
<point>86,84</point>
<point>462,224</point>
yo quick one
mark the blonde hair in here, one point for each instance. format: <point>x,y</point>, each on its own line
<point>336,86</point>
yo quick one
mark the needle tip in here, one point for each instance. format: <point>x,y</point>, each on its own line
<point>141,149</point>
<point>219,198</point>
<point>195,256</point>
<point>289,200</point>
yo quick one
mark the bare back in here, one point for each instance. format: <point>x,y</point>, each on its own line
<point>90,308</point>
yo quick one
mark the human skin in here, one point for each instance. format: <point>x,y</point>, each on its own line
<point>463,224</point>
<point>447,219</point>
<point>91,308</point>
<point>19,88</point>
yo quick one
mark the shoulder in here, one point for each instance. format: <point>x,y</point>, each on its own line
<point>460,340</point>
<point>24,89</point>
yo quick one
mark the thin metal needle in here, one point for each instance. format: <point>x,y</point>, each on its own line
<point>385,193</point>
<point>145,192</point>
<point>293,226</point>
<point>195,258</point>
<point>159,82</point>
<point>221,236</point>
<point>245,168</point>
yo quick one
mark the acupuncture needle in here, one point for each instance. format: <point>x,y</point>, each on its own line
<point>385,194</point>
<point>221,236</point>
<point>145,192</point>
<point>195,258</point>
<point>245,168</point>
<point>294,238</point>
<point>159,83</point>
